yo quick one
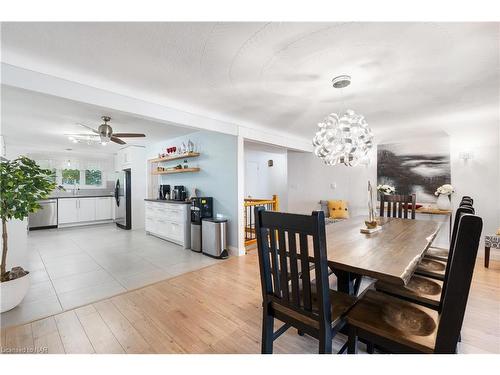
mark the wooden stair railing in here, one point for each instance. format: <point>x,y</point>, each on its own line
<point>249,204</point>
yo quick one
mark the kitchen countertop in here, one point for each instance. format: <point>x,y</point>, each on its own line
<point>167,201</point>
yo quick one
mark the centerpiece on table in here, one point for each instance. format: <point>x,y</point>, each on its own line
<point>444,196</point>
<point>371,223</point>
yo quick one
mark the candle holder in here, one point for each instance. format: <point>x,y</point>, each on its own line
<point>371,223</point>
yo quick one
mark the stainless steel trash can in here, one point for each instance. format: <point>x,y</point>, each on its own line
<point>213,234</point>
<point>196,237</point>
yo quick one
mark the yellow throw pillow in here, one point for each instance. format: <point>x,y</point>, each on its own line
<point>498,231</point>
<point>338,209</point>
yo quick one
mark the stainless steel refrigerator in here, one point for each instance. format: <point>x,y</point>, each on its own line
<point>123,207</point>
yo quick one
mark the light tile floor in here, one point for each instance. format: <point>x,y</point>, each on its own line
<point>72,267</point>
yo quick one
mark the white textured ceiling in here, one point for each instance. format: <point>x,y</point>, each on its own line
<point>406,77</point>
<point>36,121</point>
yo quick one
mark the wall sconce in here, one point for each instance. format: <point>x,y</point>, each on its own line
<point>466,156</point>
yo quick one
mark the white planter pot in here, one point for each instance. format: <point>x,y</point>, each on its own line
<point>12,292</point>
<point>443,202</point>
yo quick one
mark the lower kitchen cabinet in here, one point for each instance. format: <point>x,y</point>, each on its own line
<point>86,209</point>
<point>104,208</point>
<point>74,211</point>
<point>67,210</point>
<point>169,221</point>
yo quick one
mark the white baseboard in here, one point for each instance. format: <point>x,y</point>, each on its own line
<point>235,252</point>
<point>84,223</point>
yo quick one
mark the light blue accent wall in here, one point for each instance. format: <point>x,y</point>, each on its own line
<point>217,178</point>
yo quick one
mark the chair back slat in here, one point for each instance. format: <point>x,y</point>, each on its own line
<point>306,273</point>
<point>283,272</point>
<point>281,263</point>
<point>273,253</point>
<point>398,206</point>
<point>455,298</point>
<point>294,269</point>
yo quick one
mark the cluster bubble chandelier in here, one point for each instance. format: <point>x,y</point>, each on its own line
<point>343,138</point>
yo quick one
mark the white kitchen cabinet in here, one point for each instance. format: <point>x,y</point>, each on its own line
<point>103,208</point>
<point>169,221</point>
<point>124,158</point>
<point>67,210</point>
<point>77,211</point>
<point>86,209</point>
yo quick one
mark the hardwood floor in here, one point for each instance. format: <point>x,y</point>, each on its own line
<point>213,310</point>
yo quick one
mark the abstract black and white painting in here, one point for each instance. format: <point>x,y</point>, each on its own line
<point>415,167</point>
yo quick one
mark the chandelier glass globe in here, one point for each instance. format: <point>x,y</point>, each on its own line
<point>343,139</point>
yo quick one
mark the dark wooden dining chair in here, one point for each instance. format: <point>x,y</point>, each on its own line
<point>467,204</point>
<point>467,198</point>
<point>424,290</point>
<point>291,292</point>
<point>398,326</point>
<point>442,253</point>
<point>401,206</point>
<point>436,268</point>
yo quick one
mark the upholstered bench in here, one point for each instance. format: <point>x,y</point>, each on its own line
<point>489,242</point>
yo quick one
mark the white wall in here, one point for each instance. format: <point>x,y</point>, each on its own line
<point>478,177</point>
<point>309,180</point>
<point>262,181</point>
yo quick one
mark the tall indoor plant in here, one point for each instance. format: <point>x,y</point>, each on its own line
<point>22,184</point>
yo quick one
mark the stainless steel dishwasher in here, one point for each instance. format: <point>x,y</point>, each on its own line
<point>45,217</point>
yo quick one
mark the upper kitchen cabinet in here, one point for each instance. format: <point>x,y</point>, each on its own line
<point>129,157</point>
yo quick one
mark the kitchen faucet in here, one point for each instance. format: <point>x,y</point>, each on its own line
<point>75,188</point>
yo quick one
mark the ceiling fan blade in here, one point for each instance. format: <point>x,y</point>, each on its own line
<point>88,127</point>
<point>117,140</point>
<point>129,135</point>
<point>82,135</point>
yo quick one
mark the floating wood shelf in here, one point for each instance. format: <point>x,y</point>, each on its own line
<point>175,157</point>
<point>172,171</point>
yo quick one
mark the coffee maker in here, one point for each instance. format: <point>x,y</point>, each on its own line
<point>164,192</point>
<point>179,193</point>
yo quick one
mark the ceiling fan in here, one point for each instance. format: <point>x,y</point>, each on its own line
<point>104,134</point>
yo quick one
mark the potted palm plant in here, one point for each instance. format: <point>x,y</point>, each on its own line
<point>22,184</point>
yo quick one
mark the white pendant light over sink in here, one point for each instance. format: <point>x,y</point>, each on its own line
<point>343,138</point>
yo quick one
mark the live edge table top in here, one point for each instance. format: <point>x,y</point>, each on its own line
<point>390,254</point>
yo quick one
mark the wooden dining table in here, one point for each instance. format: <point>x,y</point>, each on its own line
<point>390,254</point>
